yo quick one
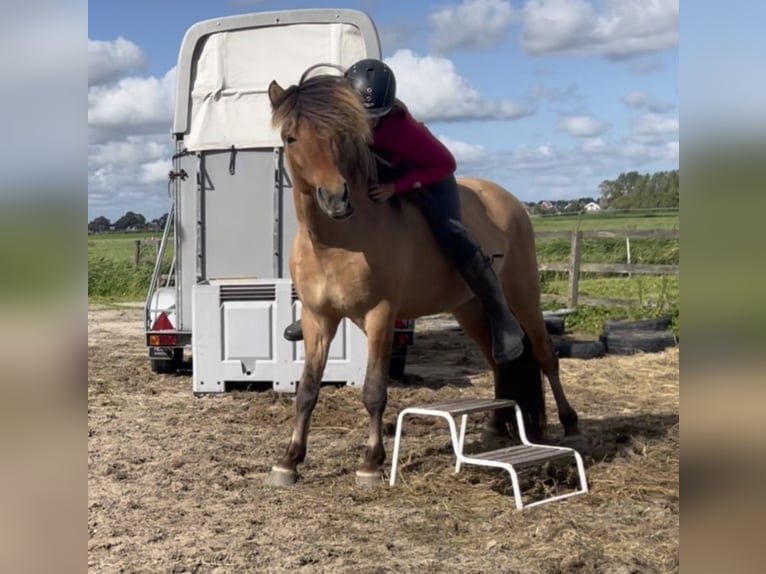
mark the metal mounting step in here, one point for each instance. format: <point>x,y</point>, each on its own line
<point>523,455</point>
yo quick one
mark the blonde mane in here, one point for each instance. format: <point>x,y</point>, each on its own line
<point>334,112</point>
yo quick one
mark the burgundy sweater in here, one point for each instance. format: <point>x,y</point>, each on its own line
<point>409,146</point>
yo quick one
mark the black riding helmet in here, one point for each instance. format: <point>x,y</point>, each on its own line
<point>375,83</point>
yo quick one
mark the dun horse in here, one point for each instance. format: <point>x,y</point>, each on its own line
<point>375,262</point>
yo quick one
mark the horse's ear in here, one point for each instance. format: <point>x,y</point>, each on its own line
<point>275,93</point>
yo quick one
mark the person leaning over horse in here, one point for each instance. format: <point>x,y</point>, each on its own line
<point>416,160</point>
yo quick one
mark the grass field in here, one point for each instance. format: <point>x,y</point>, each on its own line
<point>121,246</point>
<point>112,272</point>
<point>654,294</point>
<point>113,276</point>
<point>605,221</point>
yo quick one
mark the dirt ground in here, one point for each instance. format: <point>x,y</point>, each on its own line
<point>178,484</point>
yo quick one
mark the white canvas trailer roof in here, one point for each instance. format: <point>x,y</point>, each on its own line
<point>225,67</point>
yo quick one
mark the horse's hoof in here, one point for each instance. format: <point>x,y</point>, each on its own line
<point>282,477</point>
<point>493,440</point>
<point>577,442</point>
<point>368,478</point>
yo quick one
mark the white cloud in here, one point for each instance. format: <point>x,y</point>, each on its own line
<point>434,91</point>
<point>129,174</point>
<point>110,60</point>
<point>672,149</point>
<point>621,29</point>
<point>470,25</point>
<point>534,173</point>
<point>654,125</point>
<point>132,106</point>
<point>533,159</point>
<point>642,100</point>
<point>155,171</point>
<point>582,126</point>
<point>647,151</point>
<point>132,150</point>
<point>545,150</point>
<point>593,145</point>
<point>119,162</point>
<point>463,152</point>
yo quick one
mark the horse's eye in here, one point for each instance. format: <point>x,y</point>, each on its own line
<point>290,139</point>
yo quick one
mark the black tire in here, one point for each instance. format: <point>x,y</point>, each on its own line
<point>568,349</point>
<point>167,366</point>
<point>661,323</point>
<point>632,342</point>
<point>555,325</point>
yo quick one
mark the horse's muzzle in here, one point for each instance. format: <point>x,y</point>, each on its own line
<point>335,204</point>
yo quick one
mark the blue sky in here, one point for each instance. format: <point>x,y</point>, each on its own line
<point>547,97</point>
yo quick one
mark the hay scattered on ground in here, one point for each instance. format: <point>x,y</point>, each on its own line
<point>177,483</point>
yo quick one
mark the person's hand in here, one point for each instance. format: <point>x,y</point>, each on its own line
<point>382,192</point>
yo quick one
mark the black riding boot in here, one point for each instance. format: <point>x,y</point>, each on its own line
<point>294,331</point>
<point>507,336</point>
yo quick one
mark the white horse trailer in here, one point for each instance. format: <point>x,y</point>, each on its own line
<point>227,297</point>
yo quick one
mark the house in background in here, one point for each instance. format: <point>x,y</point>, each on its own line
<point>591,207</point>
<point>546,206</point>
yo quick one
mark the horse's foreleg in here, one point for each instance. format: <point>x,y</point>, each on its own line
<point>318,333</point>
<point>379,326</point>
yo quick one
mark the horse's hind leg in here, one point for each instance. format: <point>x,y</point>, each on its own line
<point>378,325</point>
<point>519,380</point>
<point>318,333</point>
<point>519,274</point>
<point>472,318</point>
<point>545,355</point>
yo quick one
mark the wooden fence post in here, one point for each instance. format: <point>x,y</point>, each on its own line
<point>137,253</point>
<point>574,268</point>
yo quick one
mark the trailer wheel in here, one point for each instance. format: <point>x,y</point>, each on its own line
<point>167,366</point>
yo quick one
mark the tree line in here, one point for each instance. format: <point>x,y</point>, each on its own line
<point>633,190</point>
<point>630,190</point>
<point>131,221</point>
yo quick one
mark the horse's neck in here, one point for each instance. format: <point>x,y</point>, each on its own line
<point>320,229</point>
<point>324,232</point>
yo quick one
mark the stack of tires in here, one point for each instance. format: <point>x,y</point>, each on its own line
<point>619,336</point>
<point>624,337</point>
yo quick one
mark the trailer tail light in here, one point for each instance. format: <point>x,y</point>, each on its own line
<point>162,323</point>
<point>402,339</point>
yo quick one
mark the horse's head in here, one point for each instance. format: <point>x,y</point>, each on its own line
<point>326,135</point>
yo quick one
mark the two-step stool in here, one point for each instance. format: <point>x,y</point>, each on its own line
<point>525,454</point>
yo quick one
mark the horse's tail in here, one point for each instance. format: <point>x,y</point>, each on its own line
<point>521,380</point>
